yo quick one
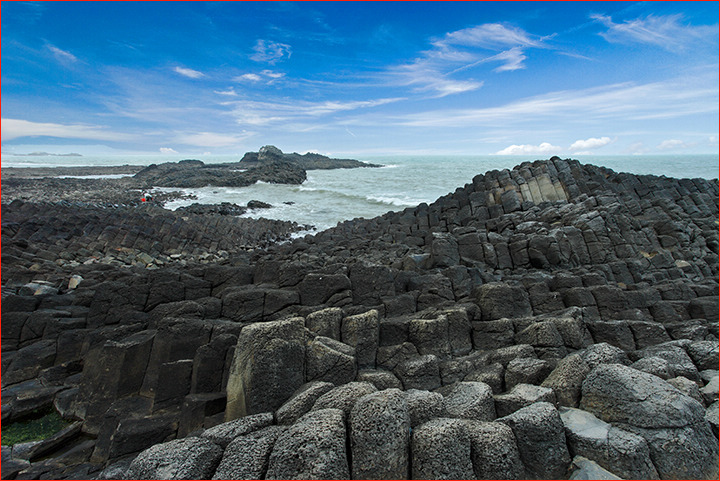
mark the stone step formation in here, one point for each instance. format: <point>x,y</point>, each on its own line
<point>555,320</point>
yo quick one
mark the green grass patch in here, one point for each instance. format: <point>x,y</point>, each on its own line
<point>37,428</point>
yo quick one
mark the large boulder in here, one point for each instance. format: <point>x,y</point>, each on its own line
<point>343,397</point>
<point>495,452</point>
<point>441,450</point>
<point>540,439</point>
<point>312,448</point>
<point>189,458</point>
<point>380,436</point>
<point>673,424</point>
<point>268,367</point>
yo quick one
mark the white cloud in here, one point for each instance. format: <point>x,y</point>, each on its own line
<point>16,128</point>
<point>252,77</point>
<point>270,52</point>
<point>188,72</point>
<point>713,139</point>
<point>663,31</point>
<point>543,148</point>
<point>62,56</point>
<point>490,36</point>
<point>591,143</point>
<point>672,144</point>
<point>168,150</point>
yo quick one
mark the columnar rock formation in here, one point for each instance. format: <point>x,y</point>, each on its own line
<point>537,322</point>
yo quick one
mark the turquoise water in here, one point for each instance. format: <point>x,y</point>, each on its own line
<point>331,196</point>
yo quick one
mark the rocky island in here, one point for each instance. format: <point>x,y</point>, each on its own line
<point>552,321</point>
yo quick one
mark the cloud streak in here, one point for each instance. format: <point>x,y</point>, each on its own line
<point>188,72</point>
<point>16,128</point>
<point>666,32</point>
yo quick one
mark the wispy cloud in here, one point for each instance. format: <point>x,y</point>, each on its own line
<point>673,144</point>
<point>543,148</point>
<point>666,32</point>
<point>459,51</point>
<point>62,56</point>
<point>167,150</point>
<point>255,113</point>
<point>269,76</point>
<point>491,36</point>
<point>16,128</point>
<point>626,101</point>
<point>188,72</point>
<point>211,139</point>
<point>270,52</point>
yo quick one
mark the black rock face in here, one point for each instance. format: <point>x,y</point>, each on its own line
<point>309,161</point>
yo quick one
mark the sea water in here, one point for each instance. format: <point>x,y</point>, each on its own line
<point>331,196</point>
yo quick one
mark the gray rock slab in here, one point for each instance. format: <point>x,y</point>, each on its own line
<point>224,433</point>
<point>246,457</point>
<point>621,452</point>
<point>343,397</point>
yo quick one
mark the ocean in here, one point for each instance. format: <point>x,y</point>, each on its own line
<point>331,196</point>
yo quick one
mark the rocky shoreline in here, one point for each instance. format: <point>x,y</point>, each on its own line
<point>552,321</point>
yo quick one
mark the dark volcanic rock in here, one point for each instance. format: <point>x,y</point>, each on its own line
<point>553,282</point>
<point>309,161</point>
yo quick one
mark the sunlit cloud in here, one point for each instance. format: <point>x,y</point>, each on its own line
<point>591,143</point>
<point>167,150</point>
<point>188,72</point>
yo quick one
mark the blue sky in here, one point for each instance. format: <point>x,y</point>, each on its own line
<point>540,78</point>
